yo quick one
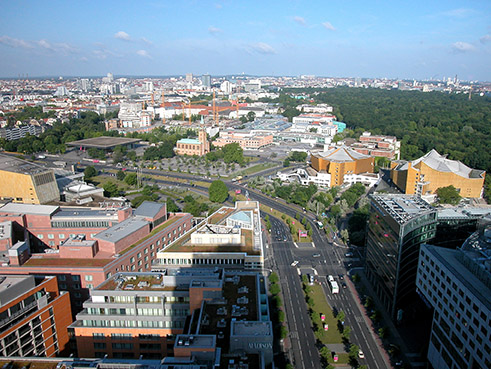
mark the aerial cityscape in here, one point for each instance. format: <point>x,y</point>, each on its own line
<point>241,185</point>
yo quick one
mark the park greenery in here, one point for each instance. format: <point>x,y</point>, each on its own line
<point>218,191</point>
<point>230,153</point>
<point>448,195</point>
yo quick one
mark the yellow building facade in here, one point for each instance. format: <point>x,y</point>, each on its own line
<point>25,182</point>
<point>341,161</point>
<point>425,175</point>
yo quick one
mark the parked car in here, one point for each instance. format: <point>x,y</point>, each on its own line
<point>361,355</point>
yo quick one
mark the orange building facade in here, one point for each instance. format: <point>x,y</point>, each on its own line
<point>341,161</point>
<point>425,175</point>
<point>34,317</point>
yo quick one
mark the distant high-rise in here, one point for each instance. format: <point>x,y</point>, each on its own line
<point>189,77</point>
<point>206,80</point>
<point>84,84</point>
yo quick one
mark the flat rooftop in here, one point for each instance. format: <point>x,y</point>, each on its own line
<point>80,212</point>
<point>104,142</point>
<point>257,328</point>
<point>195,341</point>
<point>121,230</point>
<point>402,208</point>
<point>135,282</point>
<point>16,285</point>
<point>12,208</point>
<point>5,230</point>
<point>15,165</point>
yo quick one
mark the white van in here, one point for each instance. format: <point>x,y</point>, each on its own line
<point>330,278</point>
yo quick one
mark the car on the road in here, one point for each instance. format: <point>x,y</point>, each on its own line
<point>341,276</point>
<point>361,355</point>
<point>344,285</point>
<point>294,263</point>
<point>316,255</point>
<point>348,254</point>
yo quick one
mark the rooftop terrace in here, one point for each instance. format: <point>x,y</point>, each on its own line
<point>402,208</point>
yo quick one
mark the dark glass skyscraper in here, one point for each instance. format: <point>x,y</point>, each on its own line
<point>398,224</point>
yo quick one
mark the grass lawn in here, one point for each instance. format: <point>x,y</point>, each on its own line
<point>297,225</point>
<point>322,307</point>
<point>343,358</point>
<point>102,179</point>
<point>256,168</point>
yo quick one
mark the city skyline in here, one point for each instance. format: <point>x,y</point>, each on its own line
<point>417,40</point>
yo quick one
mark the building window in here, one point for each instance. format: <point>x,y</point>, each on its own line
<point>62,277</point>
<point>88,278</point>
<point>40,236</point>
<point>76,278</point>
<point>51,236</point>
<point>51,243</point>
<point>61,236</point>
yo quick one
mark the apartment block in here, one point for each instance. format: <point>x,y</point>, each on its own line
<point>184,313</point>
<point>34,316</point>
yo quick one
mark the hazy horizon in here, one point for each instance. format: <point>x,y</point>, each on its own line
<point>383,39</point>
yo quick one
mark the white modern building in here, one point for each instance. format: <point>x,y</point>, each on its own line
<point>457,284</point>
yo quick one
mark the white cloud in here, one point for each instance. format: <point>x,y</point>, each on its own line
<point>147,41</point>
<point>143,53</point>
<point>122,35</point>
<point>485,39</point>
<point>214,30</point>
<point>103,53</point>
<point>458,13</point>
<point>45,45</point>
<point>329,26</point>
<point>262,48</point>
<point>15,42</point>
<point>300,20</point>
<point>462,47</point>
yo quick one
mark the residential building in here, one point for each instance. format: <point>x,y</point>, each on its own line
<point>341,164</point>
<point>25,182</point>
<point>397,225</point>
<point>313,118</point>
<point>246,140</point>
<point>457,284</point>
<point>184,313</point>
<point>230,237</point>
<point>425,175</point>
<point>83,247</point>
<point>376,145</point>
<point>318,109</point>
<point>14,133</point>
<point>34,316</point>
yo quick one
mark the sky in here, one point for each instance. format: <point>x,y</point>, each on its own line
<point>404,39</point>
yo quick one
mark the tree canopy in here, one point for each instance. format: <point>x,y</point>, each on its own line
<point>448,195</point>
<point>218,191</point>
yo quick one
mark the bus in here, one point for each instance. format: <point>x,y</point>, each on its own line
<point>320,225</point>
<point>334,287</point>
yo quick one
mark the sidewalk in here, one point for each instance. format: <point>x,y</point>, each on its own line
<point>368,321</point>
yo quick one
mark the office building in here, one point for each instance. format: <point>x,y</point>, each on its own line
<point>230,238</point>
<point>206,80</point>
<point>182,313</point>
<point>457,284</point>
<point>338,163</point>
<point>25,182</point>
<point>84,246</point>
<point>246,140</point>
<point>397,225</point>
<point>425,175</point>
<point>34,316</point>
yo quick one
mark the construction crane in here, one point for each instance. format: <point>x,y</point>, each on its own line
<point>163,106</point>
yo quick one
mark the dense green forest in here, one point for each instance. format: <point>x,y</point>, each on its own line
<point>450,123</point>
